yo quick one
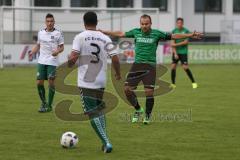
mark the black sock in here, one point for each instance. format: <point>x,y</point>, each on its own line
<point>132,98</point>
<point>173,75</point>
<point>189,73</point>
<point>149,105</point>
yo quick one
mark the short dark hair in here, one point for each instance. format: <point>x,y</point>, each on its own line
<point>146,16</point>
<point>90,18</point>
<point>180,19</point>
<point>49,15</point>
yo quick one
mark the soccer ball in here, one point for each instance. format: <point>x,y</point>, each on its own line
<point>69,140</point>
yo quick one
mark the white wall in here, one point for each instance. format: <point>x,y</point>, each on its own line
<point>212,24</point>
<point>72,20</point>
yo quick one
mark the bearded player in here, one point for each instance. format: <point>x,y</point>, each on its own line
<point>144,67</point>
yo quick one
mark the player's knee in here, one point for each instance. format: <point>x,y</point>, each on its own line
<point>51,81</point>
<point>185,67</point>
<point>127,90</point>
<point>40,82</point>
<point>51,78</point>
<point>173,66</point>
<point>51,84</point>
<point>149,92</point>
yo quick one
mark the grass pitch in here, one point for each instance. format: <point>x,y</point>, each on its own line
<point>210,132</point>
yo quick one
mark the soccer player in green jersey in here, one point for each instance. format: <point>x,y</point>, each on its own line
<point>144,67</point>
<point>180,52</point>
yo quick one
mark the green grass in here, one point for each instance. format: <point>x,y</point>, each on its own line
<point>213,132</point>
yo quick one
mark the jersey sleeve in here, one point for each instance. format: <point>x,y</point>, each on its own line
<point>165,35</point>
<point>76,47</point>
<point>130,34</point>
<point>61,39</point>
<point>110,48</point>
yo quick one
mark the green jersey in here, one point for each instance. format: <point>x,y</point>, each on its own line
<point>146,44</point>
<point>181,49</point>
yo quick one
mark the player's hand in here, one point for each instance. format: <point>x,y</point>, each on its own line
<point>55,53</point>
<point>176,56</point>
<point>175,53</point>
<point>118,77</point>
<point>197,35</point>
<point>30,54</point>
<point>70,61</point>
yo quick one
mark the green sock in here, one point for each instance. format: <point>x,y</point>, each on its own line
<point>51,92</point>
<point>41,92</point>
<point>103,122</point>
<point>98,127</point>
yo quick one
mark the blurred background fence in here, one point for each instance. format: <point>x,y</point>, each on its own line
<point>20,21</point>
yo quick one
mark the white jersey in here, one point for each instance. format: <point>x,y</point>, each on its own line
<point>92,48</point>
<point>49,41</point>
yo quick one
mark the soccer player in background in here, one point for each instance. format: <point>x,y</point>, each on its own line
<point>50,43</point>
<point>90,48</point>
<point>180,52</point>
<point>144,67</point>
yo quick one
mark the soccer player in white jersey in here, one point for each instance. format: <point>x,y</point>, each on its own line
<point>90,47</point>
<point>50,43</point>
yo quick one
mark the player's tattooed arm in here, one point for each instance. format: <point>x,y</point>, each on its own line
<point>116,66</point>
<point>113,33</point>
<point>58,50</point>
<point>72,58</point>
<point>194,35</point>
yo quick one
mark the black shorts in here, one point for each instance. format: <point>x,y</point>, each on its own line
<point>141,72</point>
<point>182,57</point>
